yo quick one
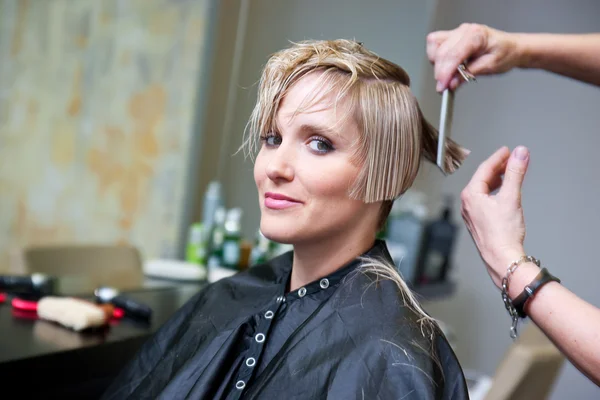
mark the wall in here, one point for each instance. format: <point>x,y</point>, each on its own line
<point>97,109</point>
<point>213,124</point>
<point>559,120</point>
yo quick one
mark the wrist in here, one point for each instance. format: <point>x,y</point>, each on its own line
<point>524,50</point>
<point>505,257</point>
<point>522,277</point>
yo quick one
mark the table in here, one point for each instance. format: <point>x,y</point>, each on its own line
<point>59,363</point>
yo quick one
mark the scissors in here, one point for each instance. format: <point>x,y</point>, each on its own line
<point>446,117</point>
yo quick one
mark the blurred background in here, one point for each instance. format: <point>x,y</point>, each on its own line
<point>116,116</point>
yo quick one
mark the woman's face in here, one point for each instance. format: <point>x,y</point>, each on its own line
<point>304,171</point>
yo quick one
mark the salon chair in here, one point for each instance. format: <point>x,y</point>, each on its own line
<point>527,372</point>
<point>115,265</point>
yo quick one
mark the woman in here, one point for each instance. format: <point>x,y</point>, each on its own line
<point>340,136</point>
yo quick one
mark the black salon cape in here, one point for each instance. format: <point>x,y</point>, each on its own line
<point>341,337</point>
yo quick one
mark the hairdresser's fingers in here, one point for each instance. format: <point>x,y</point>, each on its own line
<point>455,83</point>
<point>434,39</point>
<point>515,174</point>
<point>464,42</point>
<point>488,172</point>
<point>485,64</point>
<point>431,50</point>
<point>500,55</point>
<point>438,36</point>
<point>447,60</point>
<point>496,182</point>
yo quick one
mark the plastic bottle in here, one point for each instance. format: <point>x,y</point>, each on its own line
<point>217,237</point>
<point>213,199</point>
<point>261,252</point>
<point>405,235</point>
<point>232,239</point>
<point>197,246</point>
<point>439,243</point>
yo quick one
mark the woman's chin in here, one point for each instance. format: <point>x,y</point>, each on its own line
<point>279,238</point>
<point>276,234</point>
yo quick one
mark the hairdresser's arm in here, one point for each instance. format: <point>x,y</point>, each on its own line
<point>491,51</point>
<point>497,226</point>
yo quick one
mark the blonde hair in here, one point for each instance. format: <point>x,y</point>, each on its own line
<point>394,135</point>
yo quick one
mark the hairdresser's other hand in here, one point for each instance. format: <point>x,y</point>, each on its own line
<point>485,51</point>
<point>495,221</point>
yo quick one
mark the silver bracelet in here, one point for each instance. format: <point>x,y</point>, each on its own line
<point>507,301</point>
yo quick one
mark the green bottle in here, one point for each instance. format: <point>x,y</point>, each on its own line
<point>196,250</point>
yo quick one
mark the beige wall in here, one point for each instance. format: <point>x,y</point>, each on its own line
<point>97,103</point>
<point>219,81</point>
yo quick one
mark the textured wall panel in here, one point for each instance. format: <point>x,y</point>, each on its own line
<point>97,102</point>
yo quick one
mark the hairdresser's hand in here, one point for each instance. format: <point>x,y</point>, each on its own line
<point>485,51</point>
<point>495,221</point>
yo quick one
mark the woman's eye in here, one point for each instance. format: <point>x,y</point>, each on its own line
<point>271,140</point>
<point>274,140</point>
<point>320,146</point>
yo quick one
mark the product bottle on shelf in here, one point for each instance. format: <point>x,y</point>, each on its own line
<point>213,199</point>
<point>405,234</point>
<point>439,242</point>
<point>217,237</point>
<point>261,252</point>
<point>232,239</point>
<point>197,246</point>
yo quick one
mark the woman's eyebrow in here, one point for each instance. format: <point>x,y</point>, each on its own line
<point>322,130</point>
<point>316,129</point>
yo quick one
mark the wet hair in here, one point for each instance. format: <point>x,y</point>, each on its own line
<point>394,136</point>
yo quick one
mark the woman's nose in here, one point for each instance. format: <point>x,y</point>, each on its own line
<point>280,165</point>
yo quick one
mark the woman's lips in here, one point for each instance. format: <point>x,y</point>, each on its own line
<point>276,201</point>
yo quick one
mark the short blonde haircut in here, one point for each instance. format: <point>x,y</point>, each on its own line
<point>394,135</point>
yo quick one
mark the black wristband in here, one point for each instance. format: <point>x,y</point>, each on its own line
<point>540,280</point>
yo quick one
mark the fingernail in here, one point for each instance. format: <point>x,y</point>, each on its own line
<point>439,87</point>
<point>521,153</point>
<point>454,83</point>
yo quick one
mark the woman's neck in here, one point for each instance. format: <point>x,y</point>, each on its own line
<point>317,259</point>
